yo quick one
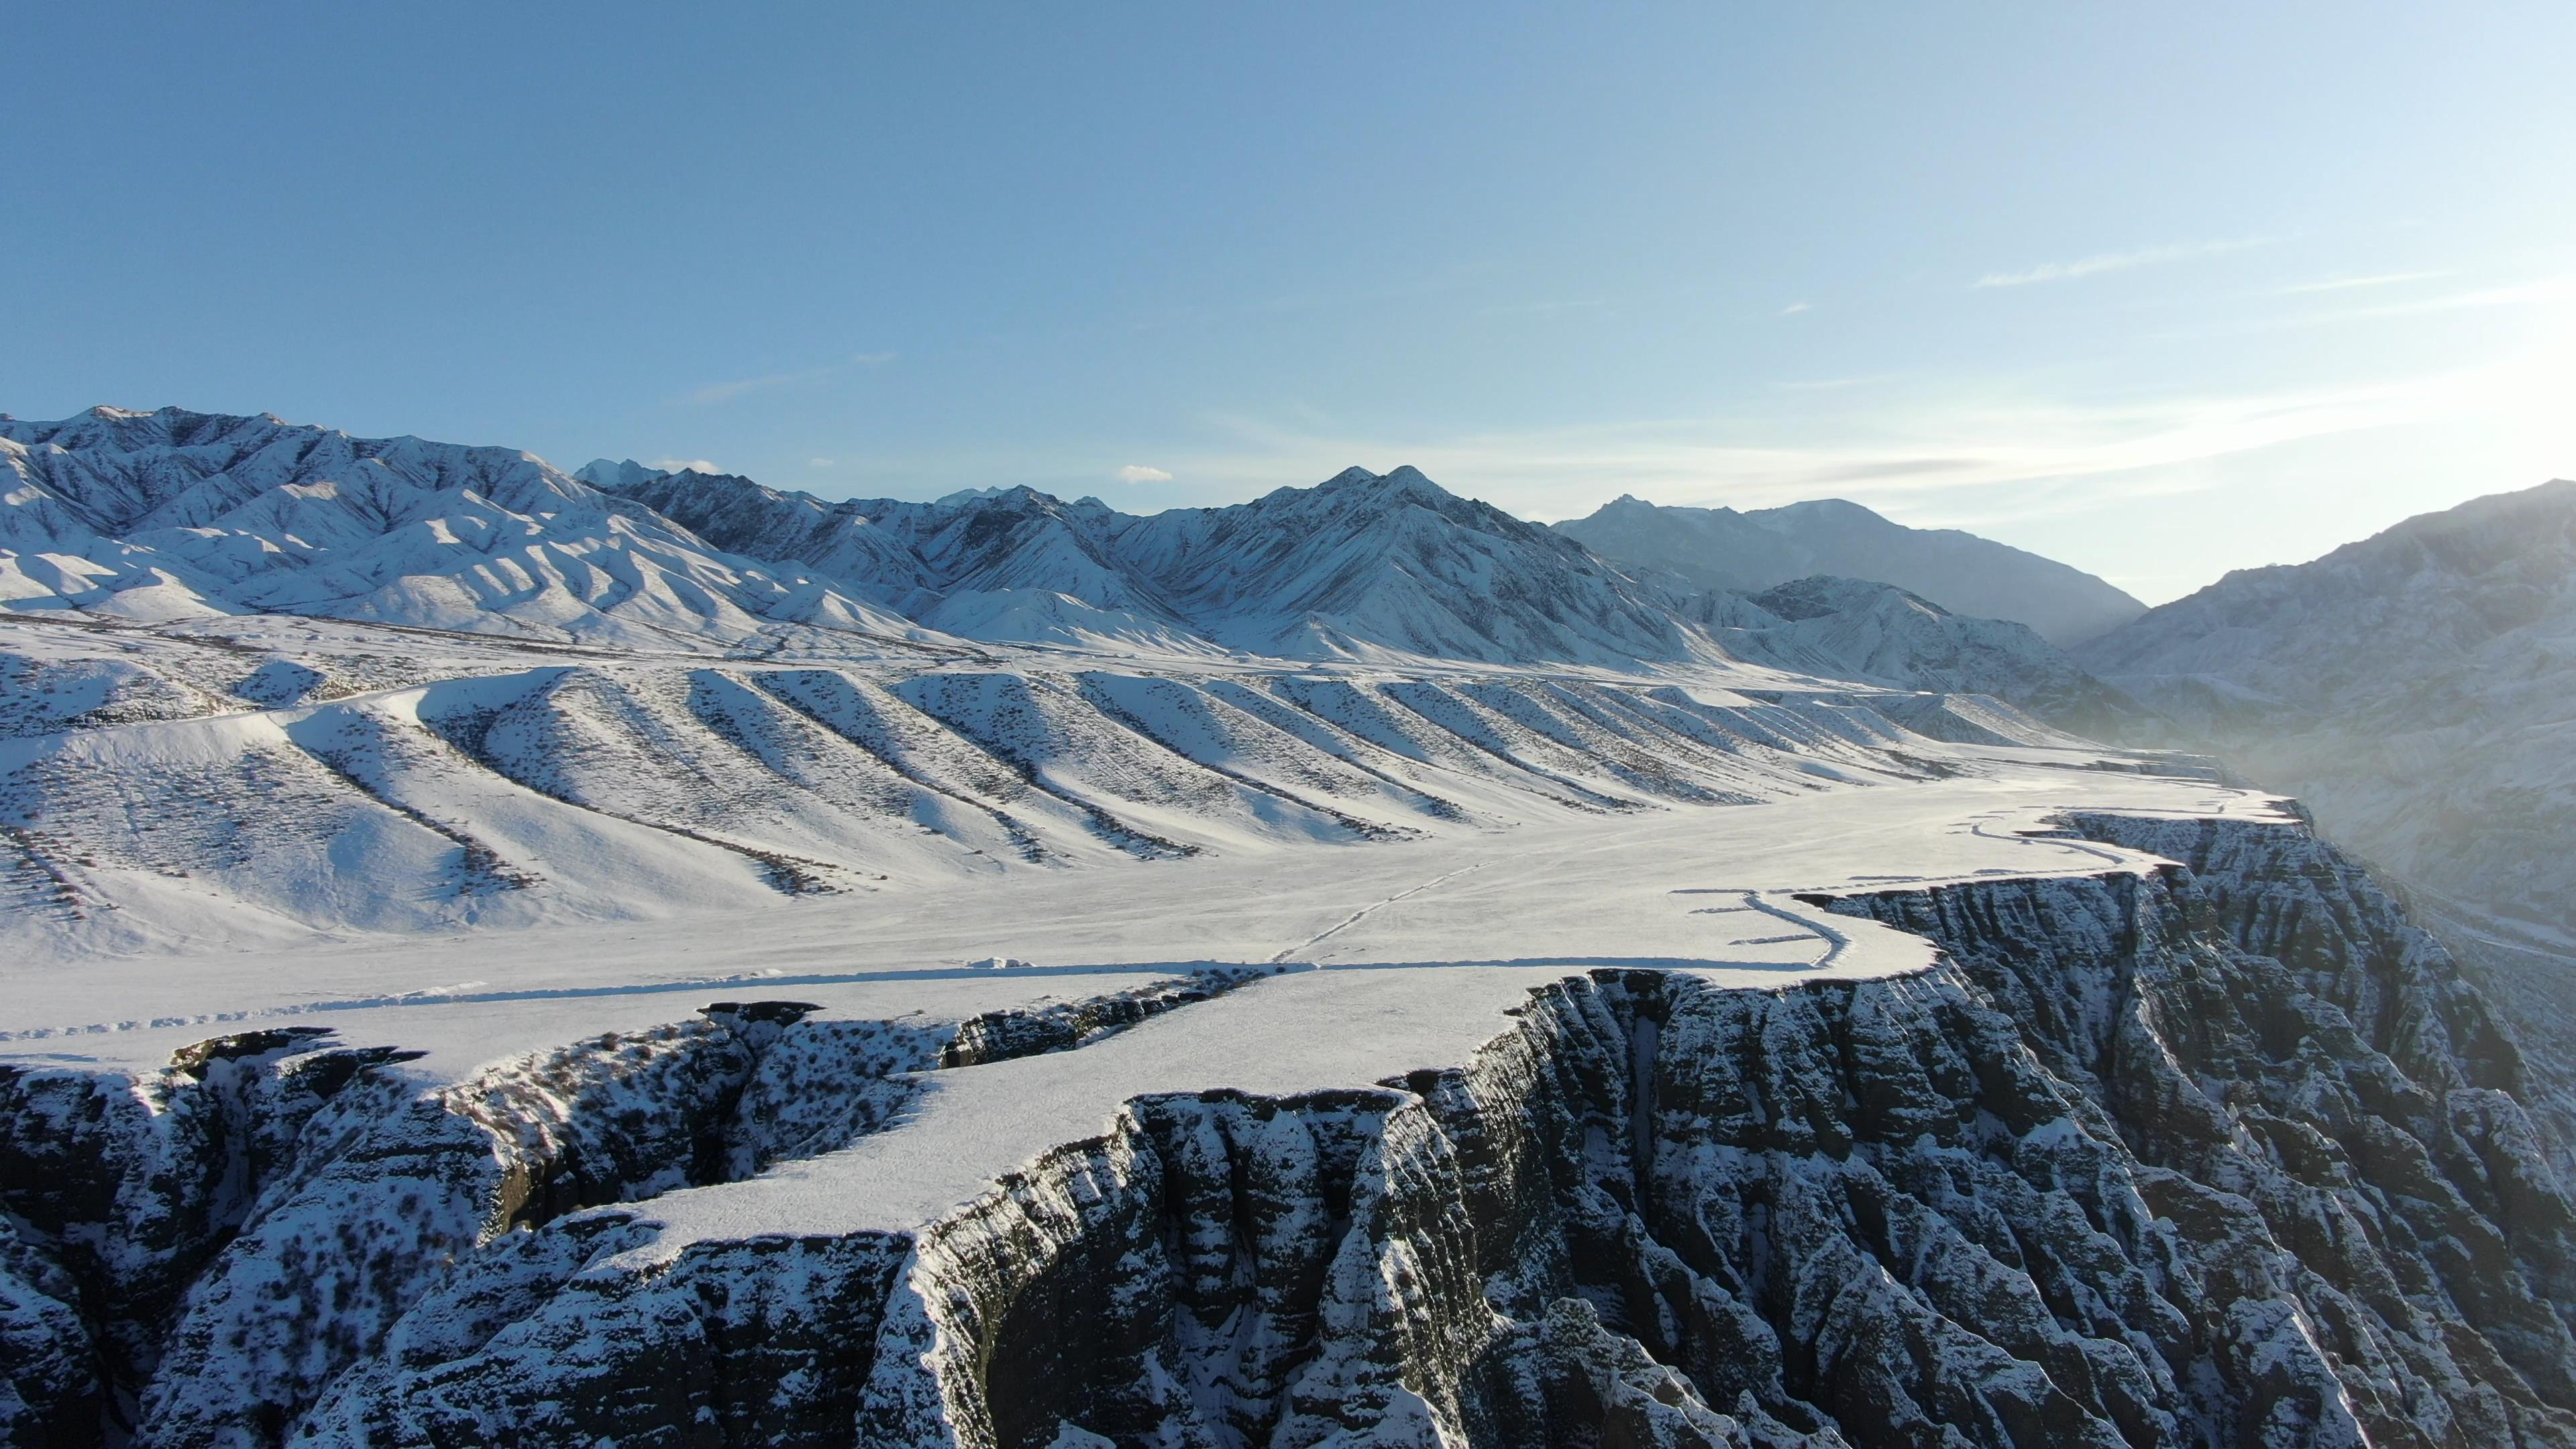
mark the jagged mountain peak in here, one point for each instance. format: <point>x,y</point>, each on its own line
<point>616,476</point>
<point>178,513</point>
<point>965,497</point>
<point>1015,498</point>
<point>1403,481</point>
<point>1357,496</point>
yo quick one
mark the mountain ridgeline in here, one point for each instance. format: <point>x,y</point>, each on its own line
<point>172,515</point>
<point>2413,689</point>
<point>1720,548</point>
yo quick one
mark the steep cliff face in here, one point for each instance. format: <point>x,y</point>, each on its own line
<point>192,1257</point>
<point>2222,1155</point>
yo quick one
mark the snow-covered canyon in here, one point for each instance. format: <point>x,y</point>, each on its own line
<point>496,956</point>
<point>2205,1152</point>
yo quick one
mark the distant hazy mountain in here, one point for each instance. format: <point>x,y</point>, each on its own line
<point>1882,633</point>
<point>2414,687</point>
<point>1720,548</point>
<point>2418,690</point>
<point>1362,563</point>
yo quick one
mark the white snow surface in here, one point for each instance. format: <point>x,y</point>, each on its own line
<point>1396,951</point>
<point>174,515</point>
<point>444,750</point>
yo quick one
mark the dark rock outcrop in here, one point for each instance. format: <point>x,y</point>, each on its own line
<point>2221,1155</point>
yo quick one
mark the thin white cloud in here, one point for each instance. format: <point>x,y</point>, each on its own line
<point>725,392</point>
<point>1794,308</point>
<point>819,462</point>
<point>1907,449</point>
<point>1139,473</point>
<point>2347,284</point>
<point>1541,309</point>
<point>686,465</point>
<point>2545,292</point>
<point>2102,262</point>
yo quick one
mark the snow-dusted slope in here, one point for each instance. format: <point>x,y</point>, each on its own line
<point>175,515</point>
<point>2414,690</point>
<point>1720,548</point>
<point>1365,563</point>
<point>1877,632</point>
<point>169,789</point>
<point>740,516</point>
<point>2413,687</point>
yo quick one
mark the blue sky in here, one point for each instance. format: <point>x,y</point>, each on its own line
<point>2161,291</point>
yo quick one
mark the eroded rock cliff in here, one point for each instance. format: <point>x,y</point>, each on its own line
<point>2221,1155</point>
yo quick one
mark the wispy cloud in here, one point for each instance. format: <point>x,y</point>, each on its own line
<point>2543,292</point>
<point>1139,473</point>
<point>1909,448</point>
<point>2347,284</point>
<point>1830,384</point>
<point>2521,294</point>
<point>686,465</point>
<point>1543,308</point>
<point>1794,308</point>
<point>2102,262</point>
<point>820,462</point>
<point>725,392</point>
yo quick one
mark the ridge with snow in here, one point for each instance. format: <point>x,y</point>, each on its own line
<point>1720,548</point>
<point>175,515</point>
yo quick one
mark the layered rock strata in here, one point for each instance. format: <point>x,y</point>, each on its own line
<point>2222,1154</point>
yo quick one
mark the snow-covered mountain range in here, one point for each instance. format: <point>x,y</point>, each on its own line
<point>1720,548</point>
<point>178,515</point>
<point>513,694</point>
<point>1358,566</point>
<point>175,515</point>
<point>495,955</point>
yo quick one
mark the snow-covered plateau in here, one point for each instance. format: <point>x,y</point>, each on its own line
<point>496,956</point>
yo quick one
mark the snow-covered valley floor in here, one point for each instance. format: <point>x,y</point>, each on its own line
<point>1054,1050</point>
<point>1706,889</point>
<point>1391,957</point>
<point>485,959</point>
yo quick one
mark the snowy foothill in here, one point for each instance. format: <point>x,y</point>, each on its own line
<point>1394,954</point>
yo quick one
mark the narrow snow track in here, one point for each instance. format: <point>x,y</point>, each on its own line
<point>1364,912</point>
